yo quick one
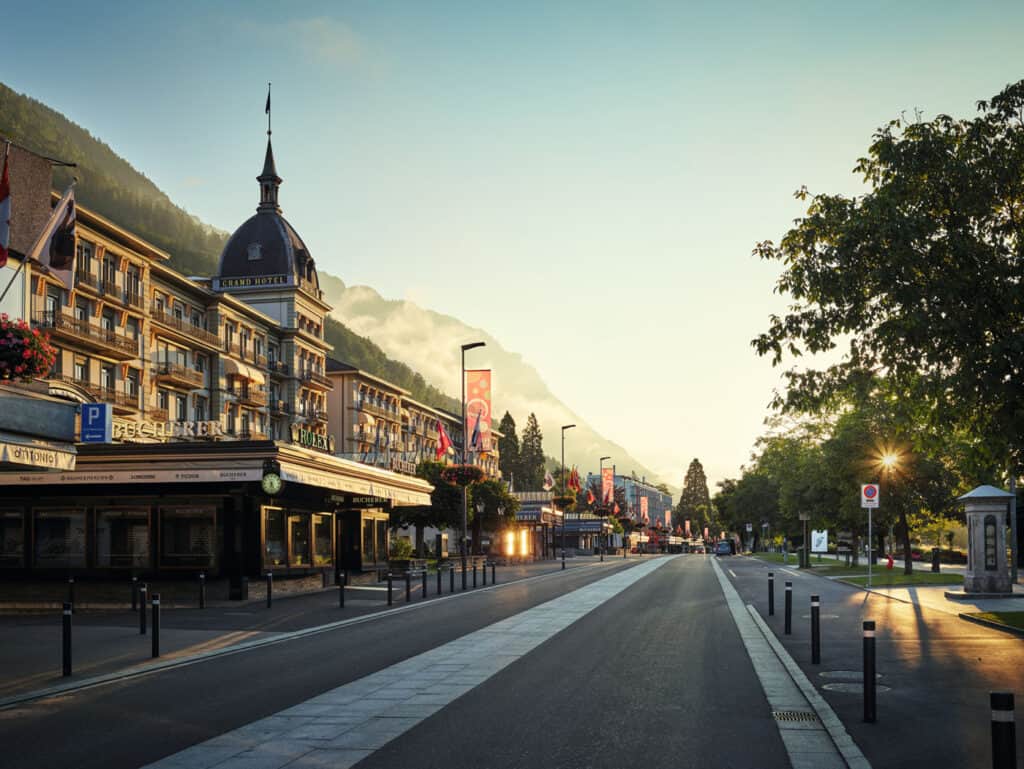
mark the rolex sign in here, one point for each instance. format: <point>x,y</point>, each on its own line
<point>311,440</point>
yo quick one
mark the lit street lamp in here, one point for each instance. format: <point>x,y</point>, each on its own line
<point>468,346</point>
<point>565,489</point>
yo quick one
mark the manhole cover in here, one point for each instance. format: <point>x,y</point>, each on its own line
<point>846,675</point>
<point>794,715</point>
<point>852,688</point>
<point>822,616</point>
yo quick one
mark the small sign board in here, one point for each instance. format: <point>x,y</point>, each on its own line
<point>869,495</point>
<point>819,541</point>
<point>750,527</point>
<point>844,541</point>
<point>805,516</point>
<point>97,423</point>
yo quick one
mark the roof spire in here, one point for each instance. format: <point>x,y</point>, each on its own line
<point>268,179</point>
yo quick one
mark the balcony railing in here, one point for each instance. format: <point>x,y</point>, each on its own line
<point>279,407</point>
<point>134,299</point>
<point>261,360</point>
<point>277,367</point>
<point>85,331</point>
<point>161,315</point>
<point>252,435</point>
<point>320,415</point>
<point>316,377</point>
<point>373,408</point>
<point>120,400</point>
<point>157,414</point>
<point>233,348</point>
<point>175,372</point>
<point>250,396</point>
<point>87,280</point>
<point>109,288</point>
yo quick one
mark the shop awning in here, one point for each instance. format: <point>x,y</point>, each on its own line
<point>234,368</point>
<point>36,454</point>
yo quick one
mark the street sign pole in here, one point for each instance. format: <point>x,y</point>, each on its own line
<point>869,494</point>
<point>870,559</point>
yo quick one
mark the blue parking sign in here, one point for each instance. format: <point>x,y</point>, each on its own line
<point>97,423</point>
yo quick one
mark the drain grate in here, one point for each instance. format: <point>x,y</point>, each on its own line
<point>794,715</point>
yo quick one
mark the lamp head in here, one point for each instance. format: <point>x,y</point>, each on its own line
<point>472,345</point>
<point>567,427</point>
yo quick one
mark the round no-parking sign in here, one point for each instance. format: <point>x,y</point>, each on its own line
<point>869,495</point>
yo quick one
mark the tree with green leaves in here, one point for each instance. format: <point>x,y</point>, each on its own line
<point>443,512</point>
<point>919,278</point>
<point>531,456</point>
<point>499,509</point>
<point>508,450</point>
<point>695,501</point>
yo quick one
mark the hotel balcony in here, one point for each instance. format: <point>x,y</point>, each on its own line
<point>277,368</point>
<point>316,379</point>
<point>176,374</point>
<point>373,408</point>
<point>250,396</point>
<point>279,407</point>
<point>87,280</point>
<point>261,361</point>
<point>185,328</point>
<point>253,435</point>
<point>109,288</point>
<point>156,414</point>
<point>85,334</point>
<point>134,299</point>
<point>122,402</point>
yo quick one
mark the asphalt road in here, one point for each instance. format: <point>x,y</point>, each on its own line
<point>658,675</point>
<point>940,669</point>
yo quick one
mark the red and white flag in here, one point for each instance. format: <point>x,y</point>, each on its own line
<point>5,209</point>
<point>443,441</point>
<point>55,246</point>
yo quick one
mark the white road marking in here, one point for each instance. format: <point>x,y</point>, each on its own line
<point>733,574</point>
<point>344,725</point>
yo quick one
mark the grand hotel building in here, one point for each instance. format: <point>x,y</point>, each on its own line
<point>214,384</point>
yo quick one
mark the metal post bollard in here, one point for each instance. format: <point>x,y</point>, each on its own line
<point>156,625</point>
<point>451,579</point>
<point>474,574</point>
<point>463,574</point>
<point>408,586</point>
<point>71,593</point>
<point>771,594</point>
<point>341,580</point>
<point>424,575</point>
<point>135,593</point>
<point>66,645</point>
<point>439,579</point>
<point>1004,731</point>
<point>870,713</point>
<point>494,574</point>
<point>142,609</point>
<point>390,586</point>
<point>202,590</point>
<point>270,588</point>
<point>815,630</point>
<point>484,570</point>
<point>789,608</point>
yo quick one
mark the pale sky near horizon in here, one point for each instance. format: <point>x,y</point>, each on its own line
<point>585,179</point>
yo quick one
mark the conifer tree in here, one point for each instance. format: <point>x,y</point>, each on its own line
<point>508,448</point>
<point>531,456</point>
<point>695,501</point>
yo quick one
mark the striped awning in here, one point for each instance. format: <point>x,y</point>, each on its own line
<point>234,368</point>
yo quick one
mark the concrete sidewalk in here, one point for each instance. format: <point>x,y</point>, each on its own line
<point>109,641</point>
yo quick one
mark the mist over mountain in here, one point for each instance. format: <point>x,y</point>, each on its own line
<point>416,348</point>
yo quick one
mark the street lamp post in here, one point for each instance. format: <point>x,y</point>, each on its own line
<point>565,490</point>
<point>600,480</point>
<point>465,491</point>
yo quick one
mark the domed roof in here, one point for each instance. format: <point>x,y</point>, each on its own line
<point>266,245</point>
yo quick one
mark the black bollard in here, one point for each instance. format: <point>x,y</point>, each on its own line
<point>424,575</point>
<point>270,588</point>
<point>771,594</point>
<point>66,641</point>
<point>439,579</point>
<point>135,593</point>
<point>474,573</point>
<point>815,630</point>
<point>463,573</point>
<point>494,574</point>
<point>789,608</point>
<point>202,590</point>
<point>142,609</point>
<point>341,579</point>
<point>156,625</point>
<point>484,570</point>
<point>869,672</point>
<point>390,586</point>
<point>408,586</point>
<point>1004,731</point>
<point>71,593</point>
<point>451,579</point>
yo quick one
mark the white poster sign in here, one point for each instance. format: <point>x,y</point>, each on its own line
<point>819,541</point>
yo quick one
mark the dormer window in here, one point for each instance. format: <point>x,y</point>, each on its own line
<point>255,252</point>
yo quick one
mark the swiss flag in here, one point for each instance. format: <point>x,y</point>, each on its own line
<point>443,441</point>
<point>590,497</point>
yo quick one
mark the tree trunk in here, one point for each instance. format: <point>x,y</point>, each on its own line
<point>908,562</point>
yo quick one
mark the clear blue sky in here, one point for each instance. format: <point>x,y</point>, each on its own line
<point>560,173</point>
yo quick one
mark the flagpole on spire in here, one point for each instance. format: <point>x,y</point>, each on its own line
<point>268,109</point>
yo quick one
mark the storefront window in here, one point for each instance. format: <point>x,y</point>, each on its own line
<point>382,540</point>
<point>275,546</point>
<point>322,538</point>
<point>298,532</point>
<point>369,551</point>
<point>12,538</point>
<point>122,538</point>
<point>188,536</point>
<point>59,537</point>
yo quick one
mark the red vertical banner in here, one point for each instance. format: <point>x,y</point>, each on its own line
<point>687,529</point>
<point>668,518</point>
<point>607,485</point>
<point>478,410</point>
<point>643,510</point>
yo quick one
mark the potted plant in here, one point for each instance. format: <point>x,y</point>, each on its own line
<point>25,352</point>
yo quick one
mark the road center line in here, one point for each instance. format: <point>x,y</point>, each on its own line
<point>348,723</point>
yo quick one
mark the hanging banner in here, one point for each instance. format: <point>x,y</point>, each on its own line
<point>607,485</point>
<point>478,410</point>
<point>668,518</point>
<point>686,528</point>
<point>643,509</point>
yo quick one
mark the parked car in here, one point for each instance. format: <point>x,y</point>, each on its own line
<point>723,548</point>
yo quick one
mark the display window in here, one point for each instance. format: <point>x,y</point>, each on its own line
<point>12,538</point>
<point>369,550</point>
<point>275,542</point>
<point>188,536</point>
<point>298,538</point>
<point>383,551</point>
<point>59,537</point>
<point>122,538</point>
<point>323,539</point>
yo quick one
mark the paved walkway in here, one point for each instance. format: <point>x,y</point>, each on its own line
<point>345,725</point>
